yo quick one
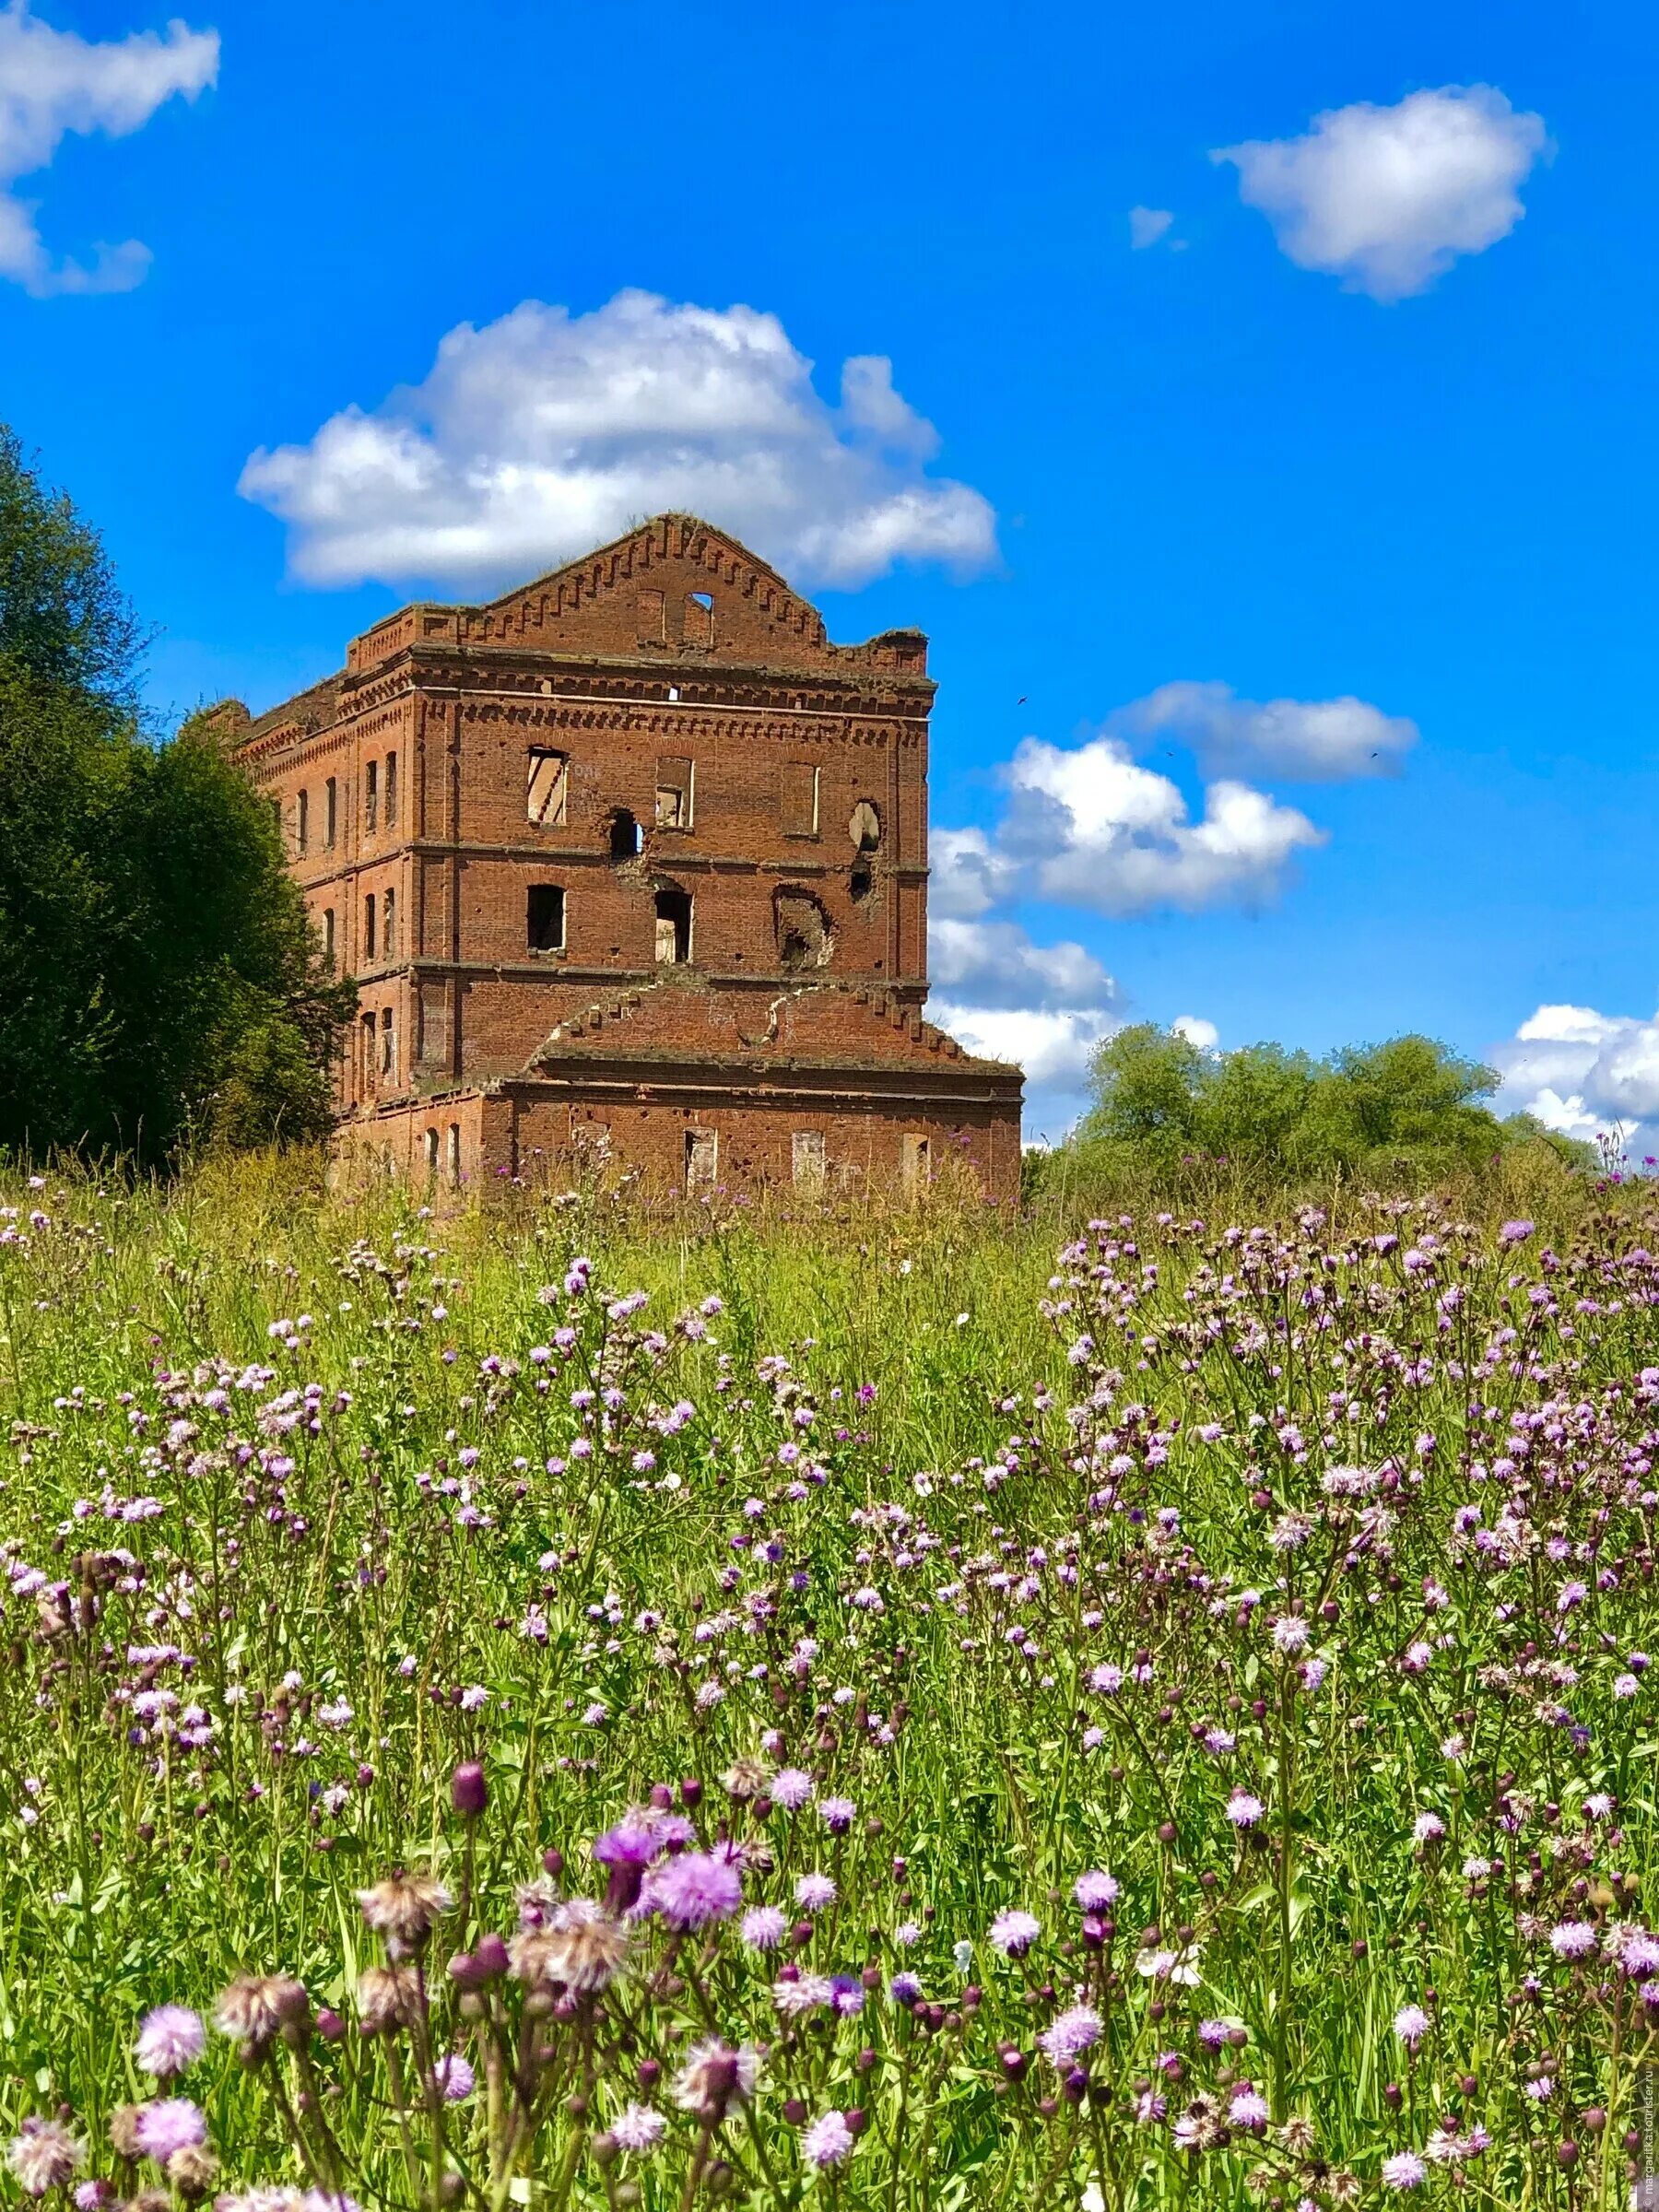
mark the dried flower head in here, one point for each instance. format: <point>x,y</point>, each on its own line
<point>388,1998</point>
<point>404,1908</point>
<point>44,2155</point>
<point>714,2075</point>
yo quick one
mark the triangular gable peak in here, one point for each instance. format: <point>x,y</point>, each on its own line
<point>675,590</point>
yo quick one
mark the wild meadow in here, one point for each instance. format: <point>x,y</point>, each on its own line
<point>544,1705</point>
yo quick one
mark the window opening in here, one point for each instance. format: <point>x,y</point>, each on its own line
<point>369,927</point>
<point>545,918</point>
<point>673,927</point>
<point>545,797</point>
<point>673,794</point>
<point>802,931</point>
<point>626,839</point>
<point>370,794</point>
<point>702,1158</point>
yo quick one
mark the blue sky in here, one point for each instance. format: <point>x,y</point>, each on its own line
<point>1365,430</point>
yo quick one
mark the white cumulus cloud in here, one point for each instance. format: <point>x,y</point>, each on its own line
<point>1045,1007</point>
<point>53,82</point>
<point>1582,1072</point>
<point>1090,826</point>
<point>546,433</point>
<point>1312,740</point>
<point>1387,198</point>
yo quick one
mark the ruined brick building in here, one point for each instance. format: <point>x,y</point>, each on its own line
<point>633,855</point>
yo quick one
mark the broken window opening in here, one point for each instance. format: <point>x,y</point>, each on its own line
<point>861,881</point>
<point>627,839</point>
<point>370,794</point>
<point>545,918</point>
<point>547,784</point>
<point>388,1046</point>
<point>865,827</point>
<point>453,1149</point>
<point>802,931</point>
<point>673,794</point>
<point>673,927</point>
<point>365,1055</point>
<point>331,807</point>
<point>702,1158</point>
<point>391,791</point>
<point>328,935</point>
<point>302,821</point>
<point>369,927</point>
<point>699,618</point>
<point>389,927</point>
<point>432,1152</point>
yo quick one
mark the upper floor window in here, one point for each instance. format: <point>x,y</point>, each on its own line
<point>389,927</point>
<point>545,790</point>
<point>653,617</point>
<point>673,794</point>
<point>673,927</point>
<point>545,918</point>
<point>331,812</point>
<point>369,927</point>
<point>328,935</point>
<point>391,791</point>
<point>370,794</point>
<point>699,618</point>
<point>302,821</point>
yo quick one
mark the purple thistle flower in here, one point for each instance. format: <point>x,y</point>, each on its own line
<point>827,2141</point>
<point>693,1889</point>
<point>1067,2036</point>
<point>790,1788</point>
<point>1247,2107</point>
<point>170,2038</point>
<point>814,1891</point>
<point>763,1928</point>
<point>1572,1939</point>
<point>1095,1891</point>
<point>168,2125</point>
<point>1404,2171</point>
<point>1013,1932</point>
<point>638,2127</point>
<point>1411,2024</point>
<point>454,2077</point>
<point>838,1814</point>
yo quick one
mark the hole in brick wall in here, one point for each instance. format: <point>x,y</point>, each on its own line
<point>865,827</point>
<point>802,930</point>
<point>626,839</point>
<point>545,917</point>
<point>699,618</point>
<point>861,881</point>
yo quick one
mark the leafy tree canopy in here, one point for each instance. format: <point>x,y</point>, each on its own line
<point>159,982</point>
<point>1408,1105</point>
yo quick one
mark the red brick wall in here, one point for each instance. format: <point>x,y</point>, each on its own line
<point>520,1133</point>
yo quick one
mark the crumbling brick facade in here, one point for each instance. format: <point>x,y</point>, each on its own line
<point>633,855</point>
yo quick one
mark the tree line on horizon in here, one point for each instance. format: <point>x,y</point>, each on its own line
<point>1406,1111</point>
<point>161,988</point>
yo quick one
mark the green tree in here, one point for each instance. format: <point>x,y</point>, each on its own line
<point>1146,1084</point>
<point>159,981</point>
<point>1251,1103</point>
